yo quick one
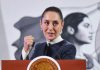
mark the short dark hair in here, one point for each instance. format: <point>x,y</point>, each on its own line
<point>73,20</point>
<point>54,9</point>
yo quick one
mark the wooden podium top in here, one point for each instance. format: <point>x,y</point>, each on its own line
<point>22,64</point>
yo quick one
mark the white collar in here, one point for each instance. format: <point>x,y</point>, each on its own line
<point>58,39</point>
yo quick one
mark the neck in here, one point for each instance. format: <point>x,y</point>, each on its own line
<point>58,39</point>
<point>78,48</point>
<point>78,44</point>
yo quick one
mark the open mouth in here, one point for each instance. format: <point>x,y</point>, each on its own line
<point>49,33</point>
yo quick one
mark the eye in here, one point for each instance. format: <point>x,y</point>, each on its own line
<point>86,25</point>
<point>46,23</point>
<point>55,23</point>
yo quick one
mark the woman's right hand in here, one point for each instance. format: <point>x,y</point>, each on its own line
<point>28,42</point>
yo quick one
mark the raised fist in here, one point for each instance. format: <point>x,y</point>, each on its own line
<point>28,42</point>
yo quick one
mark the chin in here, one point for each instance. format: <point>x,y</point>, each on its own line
<point>51,39</point>
<point>84,41</point>
<point>87,42</point>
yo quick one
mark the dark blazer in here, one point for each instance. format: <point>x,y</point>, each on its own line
<point>61,50</point>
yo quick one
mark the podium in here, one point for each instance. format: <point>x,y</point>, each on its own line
<point>22,64</point>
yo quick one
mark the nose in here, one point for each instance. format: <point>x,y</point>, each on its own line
<point>91,31</point>
<point>50,27</point>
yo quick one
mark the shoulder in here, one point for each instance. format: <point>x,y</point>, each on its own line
<point>67,43</point>
<point>38,45</point>
<point>68,46</point>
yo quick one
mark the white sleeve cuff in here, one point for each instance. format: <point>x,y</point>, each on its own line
<point>24,54</point>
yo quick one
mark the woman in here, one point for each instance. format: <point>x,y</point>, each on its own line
<point>51,24</point>
<point>77,30</point>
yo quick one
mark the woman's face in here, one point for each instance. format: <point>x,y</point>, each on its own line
<point>51,25</point>
<point>84,33</point>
